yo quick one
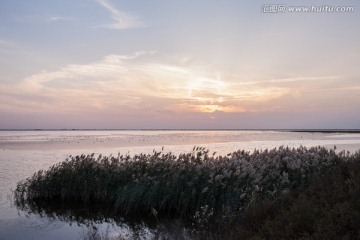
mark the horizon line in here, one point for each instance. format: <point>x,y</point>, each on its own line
<point>350,130</point>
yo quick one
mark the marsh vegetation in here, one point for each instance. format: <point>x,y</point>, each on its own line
<point>278,193</point>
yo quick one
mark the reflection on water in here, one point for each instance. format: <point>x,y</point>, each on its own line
<point>24,152</point>
<point>100,222</point>
<point>174,230</point>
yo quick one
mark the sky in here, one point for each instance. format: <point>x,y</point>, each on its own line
<point>160,64</point>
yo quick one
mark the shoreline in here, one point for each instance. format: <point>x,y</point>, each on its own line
<point>195,130</point>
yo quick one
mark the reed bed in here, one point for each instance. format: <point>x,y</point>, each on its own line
<point>195,185</point>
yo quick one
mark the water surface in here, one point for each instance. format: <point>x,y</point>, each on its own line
<point>24,152</point>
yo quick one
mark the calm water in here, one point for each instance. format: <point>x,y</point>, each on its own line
<point>24,152</point>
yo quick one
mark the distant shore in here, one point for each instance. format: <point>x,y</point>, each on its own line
<point>327,130</point>
<point>200,130</point>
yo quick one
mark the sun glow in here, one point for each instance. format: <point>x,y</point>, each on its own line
<point>216,108</point>
<point>127,84</point>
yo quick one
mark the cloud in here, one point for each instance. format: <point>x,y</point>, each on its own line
<point>59,18</point>
<point>122,20</point>
<point>2,42</point>
<point>6,42</point>
<point>138,84</point>
<point>8,46</point>
<point>294,79</point>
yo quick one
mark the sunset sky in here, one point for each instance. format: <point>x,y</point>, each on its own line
<point>190,64</point>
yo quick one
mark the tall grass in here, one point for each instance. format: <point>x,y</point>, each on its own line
<point>182,185</point>
<point>326,208</point>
